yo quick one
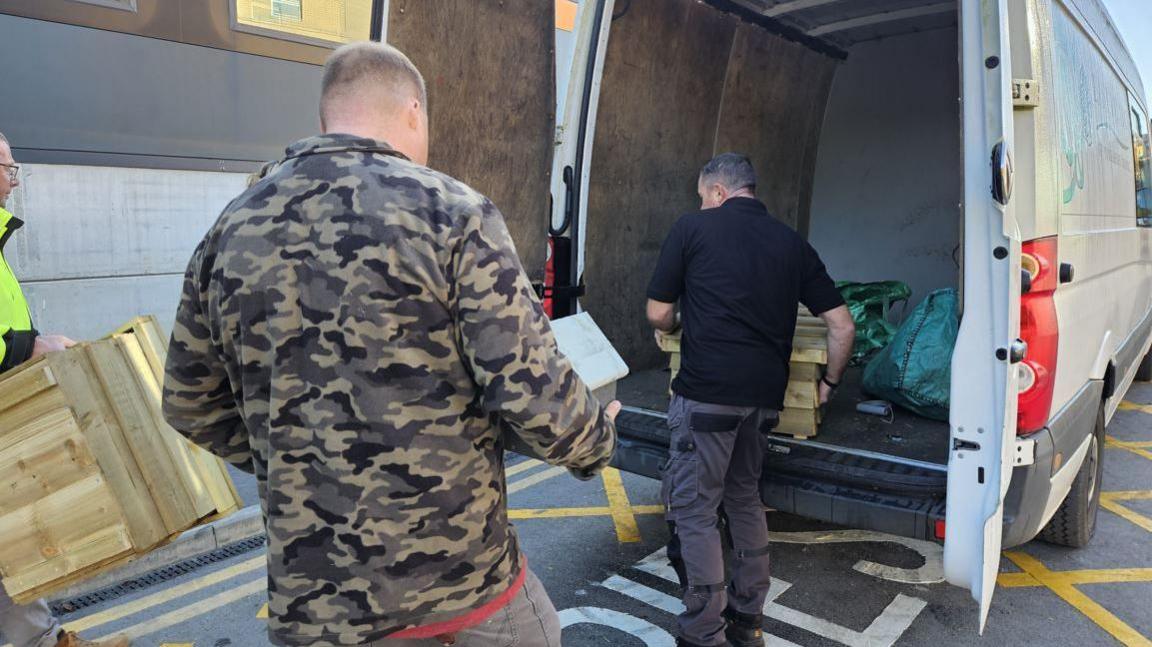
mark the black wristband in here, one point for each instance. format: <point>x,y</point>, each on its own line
<point>829,383</point>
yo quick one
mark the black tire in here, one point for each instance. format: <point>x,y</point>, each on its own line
<point>1144,373</point>
<point>1075,520</point>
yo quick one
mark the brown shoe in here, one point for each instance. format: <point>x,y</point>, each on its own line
<point>72,639</point>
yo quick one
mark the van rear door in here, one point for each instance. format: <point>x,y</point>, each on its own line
<point>984,383</point>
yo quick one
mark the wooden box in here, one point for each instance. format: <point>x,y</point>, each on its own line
<point>801,415</point>
<point>90,474</point>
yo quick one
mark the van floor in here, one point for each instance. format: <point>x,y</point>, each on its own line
<point>907,436</point>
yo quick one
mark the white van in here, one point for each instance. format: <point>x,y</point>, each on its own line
<point>999,147</point>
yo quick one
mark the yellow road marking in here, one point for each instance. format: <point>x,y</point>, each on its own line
<point>522,466</point>
<point>557,513</point>
<point>539,477</point>
<point>1110,501</point>
<point>262,614</point>
<point>623,514</point>
<point>136,606</point>
<point>1016,580</point>
<point>1093,576</point>
<point>1140,449</point>
<point>1063,585</point>
<point>1132,406</point>
<point>184,614</point>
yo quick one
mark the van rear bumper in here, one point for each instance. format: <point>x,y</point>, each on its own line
<point>1031,486</point>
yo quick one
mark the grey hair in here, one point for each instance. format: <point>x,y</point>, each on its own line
<point>368,63</point>
<point>3,139</point>
<point>733,171</point>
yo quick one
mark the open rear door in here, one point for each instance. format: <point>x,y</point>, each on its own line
<point>984,383</point>
<point>491,98</point>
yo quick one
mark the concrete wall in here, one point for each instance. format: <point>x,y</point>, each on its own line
<point>887,191</point>
<point>102,245</point>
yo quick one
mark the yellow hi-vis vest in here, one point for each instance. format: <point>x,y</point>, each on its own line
<point>15,319</point>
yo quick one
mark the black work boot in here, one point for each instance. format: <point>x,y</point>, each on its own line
<point>744,629</point>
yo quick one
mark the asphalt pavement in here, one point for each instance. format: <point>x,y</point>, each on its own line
<point>597,546</point>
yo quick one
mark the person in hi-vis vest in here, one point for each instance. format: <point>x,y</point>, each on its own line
<point>28,625</point>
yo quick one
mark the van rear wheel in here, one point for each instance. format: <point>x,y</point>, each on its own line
<point>1144,373</point>
<point>1075,520</point>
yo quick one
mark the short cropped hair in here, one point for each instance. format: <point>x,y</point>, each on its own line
<point>376,64</point>
<point>3,139</point>
<point>733,171</point>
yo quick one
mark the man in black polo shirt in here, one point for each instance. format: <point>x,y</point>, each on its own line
<point>739,275</point>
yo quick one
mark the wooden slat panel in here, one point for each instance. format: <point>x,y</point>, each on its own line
<point>804,372</point>
<point>225,498</point>
<point>185,466</point>
<point>153,340</point>
<point>51,454</point>
<point>24,383</point>
<point>212,485</point>
<point>488,64</point>
<point>813,350</point>
<point>811,331</point>
<point>108,445</point>
<point>61,532</point>
<point>138,427</point>
<point>104,547</point>
<point>801,395</point>
<point>800,423</point>
<point>31,409</point>
<point>810,349</point>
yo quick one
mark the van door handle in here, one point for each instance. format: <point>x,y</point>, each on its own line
<point>1067,272</point>
<point>1017,351</point>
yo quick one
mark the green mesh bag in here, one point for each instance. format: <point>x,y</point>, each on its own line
<point>870,304</point>
<point>915,370</point>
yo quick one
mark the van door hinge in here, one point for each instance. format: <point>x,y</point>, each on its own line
<point>1025,93</point>
<point>1025,451</point>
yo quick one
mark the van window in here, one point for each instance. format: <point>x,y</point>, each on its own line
<point>1094,134</point>
<point>319,22</point>
<point>1142,152</point>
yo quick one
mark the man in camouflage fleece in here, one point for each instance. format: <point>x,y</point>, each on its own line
<point>356,328</point>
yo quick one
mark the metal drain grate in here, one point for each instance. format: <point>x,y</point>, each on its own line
<point>159,576</point>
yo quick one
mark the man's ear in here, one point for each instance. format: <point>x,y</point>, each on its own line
<point>415,113</point>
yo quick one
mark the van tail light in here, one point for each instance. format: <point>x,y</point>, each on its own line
<point>1038,328</point>
<point>940,530</point>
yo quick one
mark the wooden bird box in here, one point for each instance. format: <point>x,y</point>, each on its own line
<point>90,474</point>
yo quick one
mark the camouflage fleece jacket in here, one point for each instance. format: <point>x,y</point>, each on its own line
<point>357,330</point>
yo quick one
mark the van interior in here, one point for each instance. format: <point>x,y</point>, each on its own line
<point>850,112</point>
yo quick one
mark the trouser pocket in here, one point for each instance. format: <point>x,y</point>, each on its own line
<point>769,421</point>
<point>681,481</point>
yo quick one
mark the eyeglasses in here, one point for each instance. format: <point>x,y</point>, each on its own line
<point>13,171</point>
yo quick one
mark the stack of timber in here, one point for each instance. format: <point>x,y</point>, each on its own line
<point>801,414</point>
<point>91,475</point>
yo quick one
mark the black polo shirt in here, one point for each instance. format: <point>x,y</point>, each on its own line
<point>739,275</point>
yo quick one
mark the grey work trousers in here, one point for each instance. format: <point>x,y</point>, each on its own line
<point>716,459</point>
<point>529,620</point>
<point>27,625</point>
